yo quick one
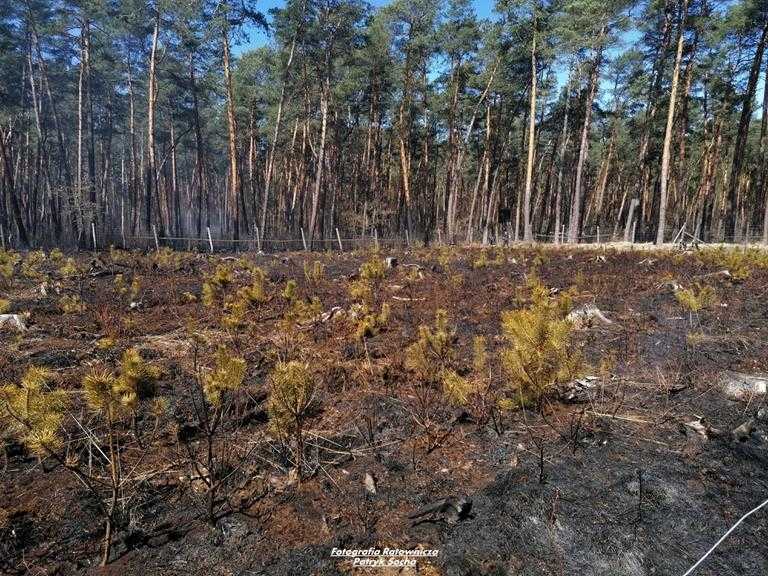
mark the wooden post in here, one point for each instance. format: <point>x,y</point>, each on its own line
<point>679,235</point>
<point>258,239</point>
<point>407,237</point>
<point>376,238</point>
<point>93,235</point>
<point>365,217</point>
<point>338,237</point>
<point>210,240</point>
<point>122,221</point>
<point>157,242</point>
<point>303,239</point>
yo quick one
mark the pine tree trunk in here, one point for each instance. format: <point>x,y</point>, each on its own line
<point>151,176</point>
<point>739,147</point>
<point>528,233</point>
<point>645,195</point>
<point>80,120</point>
<point>574,225</point>
<point>324,96</point>
<point>11,188</point>
<point>666,154</point>
<point>234,176</point>
<point>278,120</point>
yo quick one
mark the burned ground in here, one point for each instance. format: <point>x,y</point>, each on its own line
<point>613,483</point>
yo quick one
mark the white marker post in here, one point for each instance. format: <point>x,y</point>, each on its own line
<point>157,241</point>
<point>93,235</point>
<point>2,236</point>
<point>338,237</point>
<point>303,239</point>
<point>122,221</point>
<point>258,239</point>
<point>210,240</point>
<point>376,238</point>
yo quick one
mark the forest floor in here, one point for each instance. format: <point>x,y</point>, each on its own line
<point>611,482</point>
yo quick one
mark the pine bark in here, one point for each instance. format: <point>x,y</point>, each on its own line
<point>667,150</point>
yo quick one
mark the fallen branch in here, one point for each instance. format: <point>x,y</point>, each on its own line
<point>625,418</point>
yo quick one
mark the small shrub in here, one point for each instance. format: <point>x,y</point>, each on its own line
<point>370,323</point>
<point>738,262</point>
<point>8,261</point>
<point>291,290</point>
<point>227,376</point>
<point>33,413</point>
<point>69,268</point>
<point>104,394</point>
<point>366,287</point>
<point>105,343</point>
<point>433,351</point>
<point>30,266</point>
<point>212,398</point>
<point>481,261</point>
<point>539,351</point>
<point>292,392</point>
<point>256,291</point>
<point>168,260</point>
<point>215,284</point>
<point>540,259</point>
<point>5,305</point>
<point>120,285</point>
<point>137,376</point>
<point>696,299</point>
<point>484,262</point>
<point>71,304</point>
<point>247,298</point>
<point>475,391</point>
<point>135,290</point>
<point>299,310</point>
<point>314,274</point>
<point>445,257</point>
<point>115,399</point>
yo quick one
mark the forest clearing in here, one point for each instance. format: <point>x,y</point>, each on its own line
<point>437,287</point>
<point>586,411</point>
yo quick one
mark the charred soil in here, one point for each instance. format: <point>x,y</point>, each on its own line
<point>602,477</point>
